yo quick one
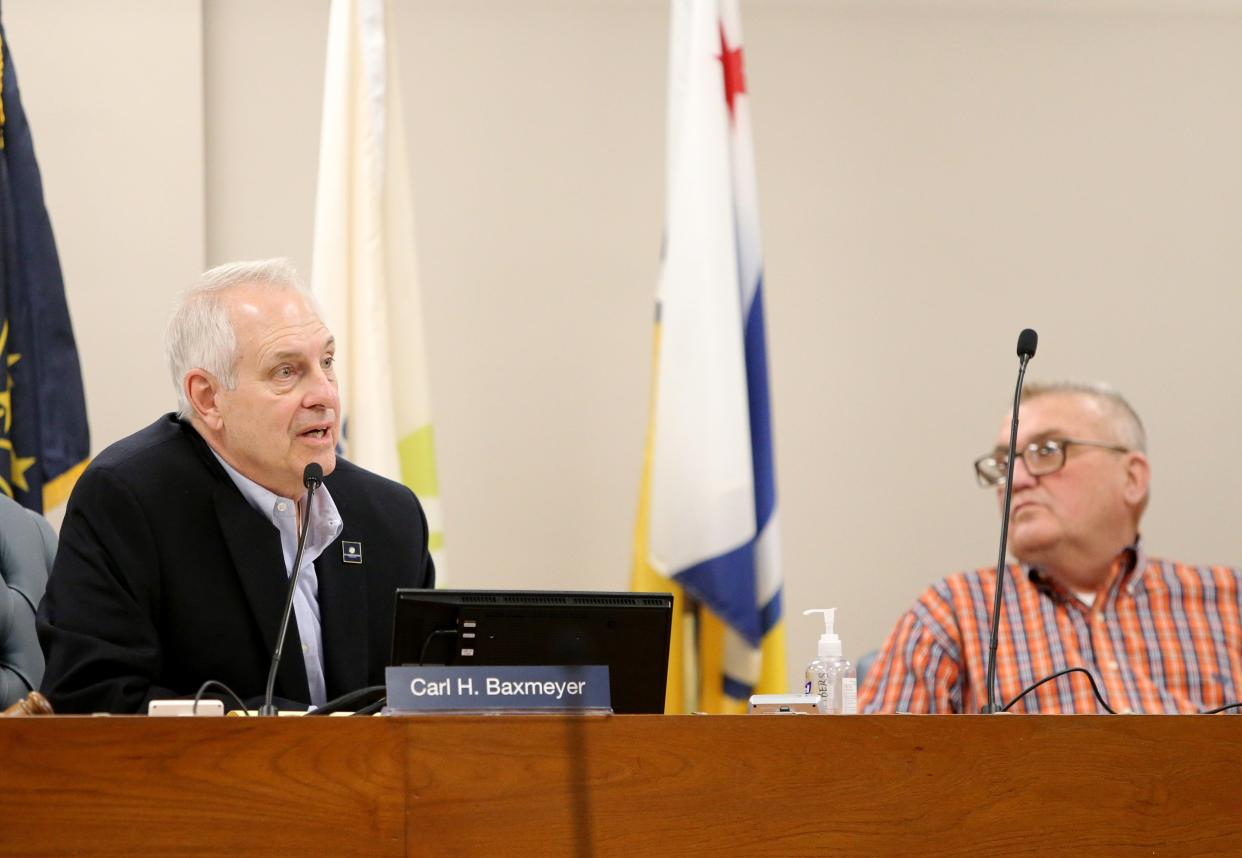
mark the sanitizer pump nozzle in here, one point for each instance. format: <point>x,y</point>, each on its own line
<point>829,642</point>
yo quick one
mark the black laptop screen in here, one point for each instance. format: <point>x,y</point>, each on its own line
<point>628,632</point>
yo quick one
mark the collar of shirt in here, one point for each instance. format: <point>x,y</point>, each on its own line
<point>1126,564</point>
<point>325,521</point>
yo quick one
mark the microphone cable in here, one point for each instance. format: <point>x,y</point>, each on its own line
<point>372,708</point>
<point>198,696</point>
<point>1094,688</point>
<point>345,701</point>
<point>1220,709</point>
<point>1098,696</point>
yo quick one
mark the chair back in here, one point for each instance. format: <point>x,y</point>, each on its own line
<point>27,549</point>
<point>863,666</point>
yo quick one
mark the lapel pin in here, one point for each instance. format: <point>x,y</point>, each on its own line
<point>351,552</point>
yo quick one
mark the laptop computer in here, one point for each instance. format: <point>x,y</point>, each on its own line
<point>628,632</point>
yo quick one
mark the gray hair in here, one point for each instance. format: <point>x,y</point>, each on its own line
<point>200,334</point>
<point>1121,415</point>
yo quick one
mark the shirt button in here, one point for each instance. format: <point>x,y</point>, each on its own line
<point>1111,665</point>
<point>282,506</point>
<point>305,649</point>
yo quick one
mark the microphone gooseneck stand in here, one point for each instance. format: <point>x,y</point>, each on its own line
<point>1027,341</point>
<point>312,476</point>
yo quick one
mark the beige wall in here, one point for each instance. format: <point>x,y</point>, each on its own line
<point>113,92</point>
<point>933,177</point>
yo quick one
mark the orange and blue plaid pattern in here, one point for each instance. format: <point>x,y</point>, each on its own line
<point>1161,637</point>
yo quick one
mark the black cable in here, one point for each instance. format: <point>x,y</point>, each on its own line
<point>372,708</point>
<point>1094,689</point>
<point>422,654</point>
<point>203,688</point>
<point>1219,709</point>
<point>1100,698</point>
<point>345,701</point>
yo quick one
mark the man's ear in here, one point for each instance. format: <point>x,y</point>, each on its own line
<point>1138,478</point>
<point>202,391</point>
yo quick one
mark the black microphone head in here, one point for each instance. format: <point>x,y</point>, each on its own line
<point>312,474</point>
<point>1027,341</point>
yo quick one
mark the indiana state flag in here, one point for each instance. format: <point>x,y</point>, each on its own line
<point>707,525</point>
<point>44,439</point>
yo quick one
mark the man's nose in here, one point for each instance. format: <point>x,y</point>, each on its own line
<point>1021,476</point>
<point>321,391</point>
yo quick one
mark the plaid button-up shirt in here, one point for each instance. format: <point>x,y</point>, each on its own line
<point>1161,637</point>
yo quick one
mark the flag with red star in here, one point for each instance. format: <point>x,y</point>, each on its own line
<point>44,440</point>
<point>707,525</point>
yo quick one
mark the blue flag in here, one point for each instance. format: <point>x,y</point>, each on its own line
<point>44,438</point>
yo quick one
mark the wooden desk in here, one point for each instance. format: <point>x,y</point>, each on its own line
<point>625,785</point>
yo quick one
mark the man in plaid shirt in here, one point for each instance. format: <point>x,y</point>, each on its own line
<point>1154,635</point>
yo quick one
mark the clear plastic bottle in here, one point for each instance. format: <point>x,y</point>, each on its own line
<point>817,670</point>
<point>845,681</point>
<point>829,674</point>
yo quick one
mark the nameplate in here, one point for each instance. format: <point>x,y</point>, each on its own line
<point>570,688</point>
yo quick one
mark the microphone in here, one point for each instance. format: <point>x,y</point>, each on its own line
<point>1027,341</point>
<point>312,477</point>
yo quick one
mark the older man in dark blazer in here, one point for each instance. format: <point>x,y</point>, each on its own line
<point>178,541</point>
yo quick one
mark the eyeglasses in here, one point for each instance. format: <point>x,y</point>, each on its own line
<point>1044,458</point>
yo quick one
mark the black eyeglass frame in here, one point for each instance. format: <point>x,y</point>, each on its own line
<point>1062,443</point>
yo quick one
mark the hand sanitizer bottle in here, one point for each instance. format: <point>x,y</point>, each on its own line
<point>829,674</point>
<point>817,680</point>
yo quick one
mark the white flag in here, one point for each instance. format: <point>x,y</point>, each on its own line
<point>711,526</point>
<point>363,269</point>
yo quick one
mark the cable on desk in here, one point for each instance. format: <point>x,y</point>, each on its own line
<point>1220,709</point>
<point>1094,689</point>
<point>203,690</point>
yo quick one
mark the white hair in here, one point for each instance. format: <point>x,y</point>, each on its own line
<point>200,334</point>
<point>1122,417</point>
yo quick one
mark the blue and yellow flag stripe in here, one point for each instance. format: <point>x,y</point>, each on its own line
<point>699,671</point>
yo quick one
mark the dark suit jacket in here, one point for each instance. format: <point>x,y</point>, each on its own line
<point>167,577</point>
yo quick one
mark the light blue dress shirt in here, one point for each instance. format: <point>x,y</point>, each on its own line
<point>325,526</point>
